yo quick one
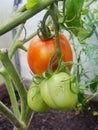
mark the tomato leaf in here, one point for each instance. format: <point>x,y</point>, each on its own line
<point>95,16</point>
<point>73,13</point>
<point>31,3</point>
<point>85,33</point>
<point>81,98</point>
<point>94,85</point>
<point>85,11</point>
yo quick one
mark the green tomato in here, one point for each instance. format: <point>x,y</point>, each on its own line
<point>35,101</point>
<point>56,92</point>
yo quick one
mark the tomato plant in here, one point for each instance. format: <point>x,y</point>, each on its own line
<point>55,89</point>
<point>56,92</point>
<point>35,100</point>
<point>40,52</point>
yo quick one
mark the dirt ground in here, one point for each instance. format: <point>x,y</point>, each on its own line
<point>58,120</point>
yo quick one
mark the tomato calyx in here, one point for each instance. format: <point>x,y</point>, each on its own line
<point>44,32</point>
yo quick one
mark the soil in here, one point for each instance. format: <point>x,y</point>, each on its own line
<point>59,120</point>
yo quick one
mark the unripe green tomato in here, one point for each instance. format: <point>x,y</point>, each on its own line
<point>56,92</point>
<point>35,101</point>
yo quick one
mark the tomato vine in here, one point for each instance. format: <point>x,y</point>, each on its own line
<point>75,17</point>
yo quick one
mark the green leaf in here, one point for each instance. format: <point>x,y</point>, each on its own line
<point>73,13</point>
<point>31,3</point>
<point>94,85</point>
<point>85,33</point>
<point>95,15</point>
<point>85,11</point>
<point>82,42</point>
<point>81,98</point>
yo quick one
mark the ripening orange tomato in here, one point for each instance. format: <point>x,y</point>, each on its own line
<point>40,51</point>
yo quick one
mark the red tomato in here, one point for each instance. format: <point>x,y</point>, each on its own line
<point>40,52</point>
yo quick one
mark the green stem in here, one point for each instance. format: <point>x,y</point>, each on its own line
<point>11,92</point>
<point>29,37</point>
<point>43,30</point>
<point>91,97</point>
<point>64,1</point>
<point>26,112</point>
<point>22,9</point>
<point>89,3</point>
<point>19,128</point>
<point>53,13</point>
<point>17,81</point>
<point>78,68</point>
<point>27,116</point>
<point>54,16</point>
<point>15,44</point>
<point>19,43</point>
<point>4,110</point>
<point>20,18</point>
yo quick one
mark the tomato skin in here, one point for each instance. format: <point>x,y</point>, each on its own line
<point>39,53</point>
<point>35,101</point>
<point>56,92</point>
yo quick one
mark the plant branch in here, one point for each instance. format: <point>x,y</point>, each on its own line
<point>91,97</point>
<point>25,111</point>
<point>7,112</point>
<point>17,81</point>
<point>11,92</point>
<point>53,13</point>
<point>21,17</point>
<point>15,44</point>
<point>89,3</point>
<point>29,37</point>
